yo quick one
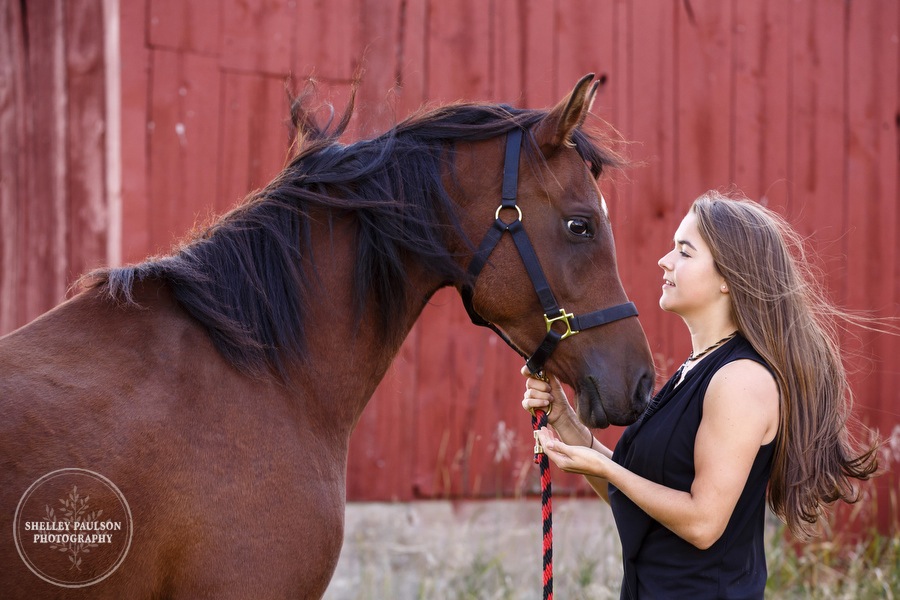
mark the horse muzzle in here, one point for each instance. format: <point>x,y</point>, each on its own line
<point>599,406</point>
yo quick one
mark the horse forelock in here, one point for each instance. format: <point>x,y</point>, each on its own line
<point>246,277</point>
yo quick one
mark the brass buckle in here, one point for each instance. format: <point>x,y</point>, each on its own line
<point>564,317</point>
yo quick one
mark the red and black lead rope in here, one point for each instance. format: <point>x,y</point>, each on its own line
<point>539,420</point>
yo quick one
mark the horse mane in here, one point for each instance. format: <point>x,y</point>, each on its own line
<point>243,276</point>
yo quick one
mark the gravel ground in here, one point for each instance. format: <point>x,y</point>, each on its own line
<point>475,549</point>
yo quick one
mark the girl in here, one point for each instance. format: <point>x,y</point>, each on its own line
<point>761,401</point>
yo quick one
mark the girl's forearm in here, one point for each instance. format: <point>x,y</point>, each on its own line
<point>574,433</point>
<point>676,510</point>
<point>599,485</point>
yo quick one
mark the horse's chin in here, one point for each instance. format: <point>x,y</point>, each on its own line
<point>590,406</point>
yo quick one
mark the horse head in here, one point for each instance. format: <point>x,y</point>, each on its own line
<point>559,278</point>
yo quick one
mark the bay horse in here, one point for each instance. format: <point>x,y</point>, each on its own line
<point>217,387</point>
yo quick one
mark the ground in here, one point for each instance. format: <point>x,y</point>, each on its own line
<point>475,549</point>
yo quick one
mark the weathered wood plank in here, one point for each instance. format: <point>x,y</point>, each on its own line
<point>651,210</point>
<point>507,59</point>
<point>412,75</point>
<point>13,102</point>
<point>816,146</point>
<point>538,50</point>
<point>254,135</point>
<point>458,52</point>
<point>44,204</point>
<point>704,92</point>
<point>586,44</point>
<point>193,26</point>
<point>258,35</point>
<point>376,100</point>
<point>183,144</point>
<point>761,111</point>
<point>134,82</point>
<point>88,220</point>
<point>873,211</point>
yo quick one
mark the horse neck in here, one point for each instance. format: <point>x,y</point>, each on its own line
<point>347,357</point>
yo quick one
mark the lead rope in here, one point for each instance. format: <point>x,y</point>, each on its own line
<point>538,420</point>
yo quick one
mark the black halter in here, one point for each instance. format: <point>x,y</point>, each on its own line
<point>552,311</point>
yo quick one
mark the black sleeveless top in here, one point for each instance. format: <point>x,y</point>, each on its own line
<point>660,447</point>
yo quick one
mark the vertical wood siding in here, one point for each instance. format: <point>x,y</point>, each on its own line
<point>795,103</point>
<point>54,216</point>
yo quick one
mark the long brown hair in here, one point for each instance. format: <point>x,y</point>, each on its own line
<point>780,309</point>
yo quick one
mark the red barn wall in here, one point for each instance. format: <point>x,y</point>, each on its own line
<point>54,211</point>
<point>795,103</point>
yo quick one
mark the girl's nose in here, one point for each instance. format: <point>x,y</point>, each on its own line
<point>665,263</point>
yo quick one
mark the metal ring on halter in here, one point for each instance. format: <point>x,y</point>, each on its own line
<point>547,411</point>
<point>501,207</point>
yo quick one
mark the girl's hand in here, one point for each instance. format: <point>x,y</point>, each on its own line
<point>585,455</point>
<point>547,396</point>
<point>573,459</point>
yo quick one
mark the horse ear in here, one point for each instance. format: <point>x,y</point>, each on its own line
<point>555,130</point>
<point>590,101</point>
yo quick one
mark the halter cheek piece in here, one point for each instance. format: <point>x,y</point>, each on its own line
<point>553,313</point>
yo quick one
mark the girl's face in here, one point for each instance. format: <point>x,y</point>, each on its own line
<point>691,281</point>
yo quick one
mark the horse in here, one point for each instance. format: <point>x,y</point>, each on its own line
<point>214,389</point>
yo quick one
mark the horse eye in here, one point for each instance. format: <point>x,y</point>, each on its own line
<point>579,227</point>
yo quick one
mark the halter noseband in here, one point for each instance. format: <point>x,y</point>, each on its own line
<point>553,313</point>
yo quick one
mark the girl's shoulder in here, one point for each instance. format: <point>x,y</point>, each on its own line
<point>745,389</point>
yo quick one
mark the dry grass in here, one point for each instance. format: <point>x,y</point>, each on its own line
<point>490,551</point>
<point>824,571</point>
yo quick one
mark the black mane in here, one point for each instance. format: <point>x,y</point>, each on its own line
<point>243,277</point>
